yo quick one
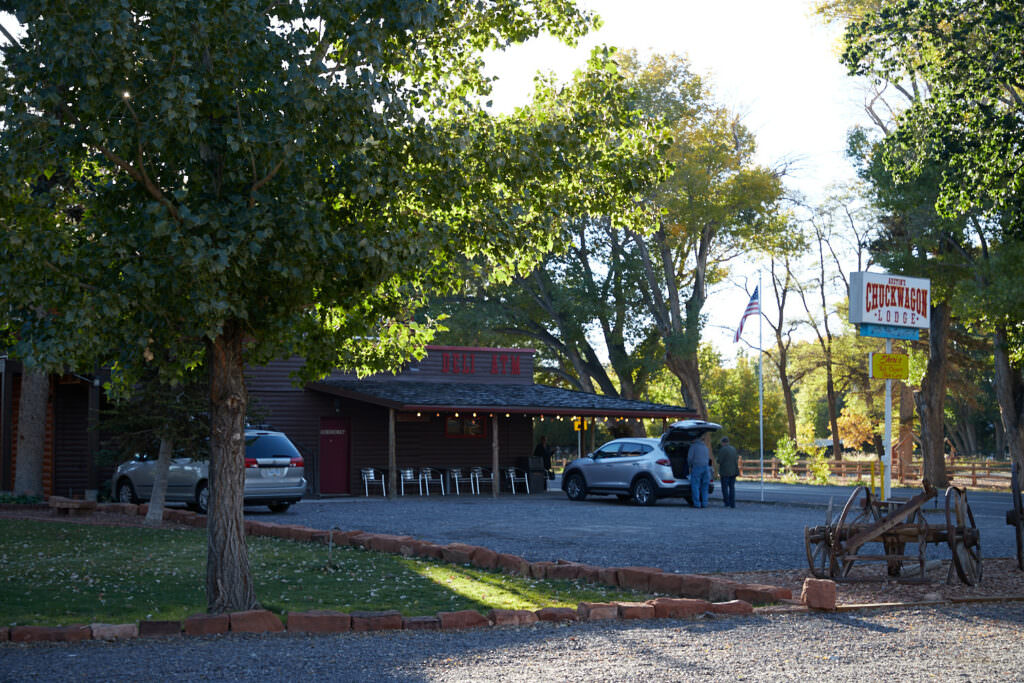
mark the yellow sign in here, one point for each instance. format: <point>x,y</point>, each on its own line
<point>577,424</point>
<point>889,365</point>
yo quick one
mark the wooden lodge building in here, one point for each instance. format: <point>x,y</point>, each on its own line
<point>458,407</point>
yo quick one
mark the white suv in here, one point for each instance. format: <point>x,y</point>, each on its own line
<point>638,469</point>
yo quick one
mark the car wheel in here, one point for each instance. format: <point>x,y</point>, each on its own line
<point>202,498</point>
<point>279,507</point>
<point>643,491</point>
<point>575,487</point>
<point>126,492</point>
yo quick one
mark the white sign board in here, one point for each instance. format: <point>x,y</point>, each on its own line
<point>886,299</point>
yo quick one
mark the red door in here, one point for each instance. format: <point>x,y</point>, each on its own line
<point>334,469</point>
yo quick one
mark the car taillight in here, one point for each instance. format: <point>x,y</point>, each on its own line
<point>297,461</point>
<point>251,462</point>
<point>663,461</point>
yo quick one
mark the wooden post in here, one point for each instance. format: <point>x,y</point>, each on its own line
<point>392,459</point>
<point>495,470</point>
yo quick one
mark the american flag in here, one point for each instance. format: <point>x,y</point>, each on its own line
<point>753,308</point>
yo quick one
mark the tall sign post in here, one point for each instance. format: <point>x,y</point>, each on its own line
<point>891,307</point>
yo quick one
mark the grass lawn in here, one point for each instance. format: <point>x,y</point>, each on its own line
<point>64,573</point>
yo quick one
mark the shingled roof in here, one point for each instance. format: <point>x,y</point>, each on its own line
<point>537,399</point>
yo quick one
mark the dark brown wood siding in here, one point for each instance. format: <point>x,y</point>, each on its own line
<point>297,413</point>
<point>71,439</point>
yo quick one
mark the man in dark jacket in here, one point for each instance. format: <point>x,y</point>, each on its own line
<point>728,470</point>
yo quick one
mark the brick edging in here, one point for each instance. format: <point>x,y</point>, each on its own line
<point>697,595</point>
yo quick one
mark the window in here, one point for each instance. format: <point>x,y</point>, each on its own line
<point>464,427</point>
<point>634,449</point>
<point>607,451</point>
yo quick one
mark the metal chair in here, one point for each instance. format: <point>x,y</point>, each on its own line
<point>457,475</point>
<point>374,477</point>
<point>481,475</point>
<point>408,474</point>
<point>515,474</point>
<point>428,475</point>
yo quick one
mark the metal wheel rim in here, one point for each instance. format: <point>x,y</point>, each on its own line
<point>642,492</point>
<point>573,487</point>
<point>203,499</point>
<point>124,492</point>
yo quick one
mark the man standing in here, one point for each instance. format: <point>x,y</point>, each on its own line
<point>699,460</point>
<point>544,453</point>
<point>728,470</point>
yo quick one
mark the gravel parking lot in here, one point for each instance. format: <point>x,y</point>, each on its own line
<point>670,535</point>
<point>979,643</point>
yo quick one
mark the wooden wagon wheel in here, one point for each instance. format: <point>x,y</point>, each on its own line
<point>859,510</point>
<point>963,538</point>
<point>819,551</point>
<point>1017,514</point>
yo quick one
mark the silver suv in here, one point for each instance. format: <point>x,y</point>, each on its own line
<point>274,475</point>
<point>638,469</point>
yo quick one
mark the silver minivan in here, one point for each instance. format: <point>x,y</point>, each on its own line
<point>274,475</point>
<point>640,469</point>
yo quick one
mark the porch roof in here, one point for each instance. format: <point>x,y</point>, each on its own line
<point>531,399</point>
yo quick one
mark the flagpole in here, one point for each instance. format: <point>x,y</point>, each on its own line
<point>760,377</point>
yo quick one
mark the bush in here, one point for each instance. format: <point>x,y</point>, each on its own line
<point>787,454</point>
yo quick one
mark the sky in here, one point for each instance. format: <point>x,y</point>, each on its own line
<point>772,62</point>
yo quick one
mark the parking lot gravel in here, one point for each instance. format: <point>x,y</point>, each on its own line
<point>981,643</point>
<point>670,535</point>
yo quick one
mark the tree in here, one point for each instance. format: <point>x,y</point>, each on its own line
<point>576,303</point>
<point>965,130</point>
<point>164,418</point>
<point>732,399</point>
<point>642,295</point>
<point>295,178</point>
<point>716,205</point>
<point>32,403</point>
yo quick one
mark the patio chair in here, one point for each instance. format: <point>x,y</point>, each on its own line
<point>481,475</point>
<point>457,475</point>
<point>515,474</point>
<point>374,477</point>
<point>408,474</point>
<point>429,475</point>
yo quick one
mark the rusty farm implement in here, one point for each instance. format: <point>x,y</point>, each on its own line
<point>896,525</point>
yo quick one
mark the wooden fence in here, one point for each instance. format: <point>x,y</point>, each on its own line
<point>974,474</point>
<point>995,475</point>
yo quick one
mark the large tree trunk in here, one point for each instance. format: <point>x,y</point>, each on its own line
<point>28,473</point>
<point>229,586</point>
<point>686,369</point>
<point>787,397</point>
<point>155,514</point>
<point>1010,394</point>
<point>832,402</point>
<point>931,398</point>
